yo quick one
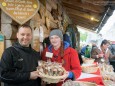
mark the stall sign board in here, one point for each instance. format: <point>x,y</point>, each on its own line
<point>20,10</point>
<point>1,44</point>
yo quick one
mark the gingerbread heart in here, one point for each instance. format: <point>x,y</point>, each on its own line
<point>20,10</point>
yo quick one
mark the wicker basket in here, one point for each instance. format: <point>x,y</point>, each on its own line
<point>88,61</point>
<point>51,72</point>
<point>53,79</point>
<point>109,83</point>
<point>78,83</point>
<point>83,83</point>
<point>89,69</point>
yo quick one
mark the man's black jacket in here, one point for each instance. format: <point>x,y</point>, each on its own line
<point>16,64</point>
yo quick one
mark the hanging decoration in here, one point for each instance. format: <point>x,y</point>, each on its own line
<point>20,10</point>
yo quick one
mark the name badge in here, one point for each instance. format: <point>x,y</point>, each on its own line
<point>49,55</point>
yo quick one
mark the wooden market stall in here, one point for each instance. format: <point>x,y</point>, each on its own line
<point>42,16</point>
<point>34,13</point>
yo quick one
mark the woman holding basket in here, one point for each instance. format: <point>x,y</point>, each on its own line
<point>62,53</point>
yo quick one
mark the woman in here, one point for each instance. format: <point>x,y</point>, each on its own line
<point>64,54</point>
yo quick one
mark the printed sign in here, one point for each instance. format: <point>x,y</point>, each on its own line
<point>20,10</point>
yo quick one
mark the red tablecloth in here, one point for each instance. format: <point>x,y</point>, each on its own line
<point>95,77</point>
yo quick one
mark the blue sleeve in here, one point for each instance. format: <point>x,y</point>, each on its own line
<point>71,75</point>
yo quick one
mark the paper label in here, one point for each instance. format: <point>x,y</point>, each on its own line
<point>49,54</point>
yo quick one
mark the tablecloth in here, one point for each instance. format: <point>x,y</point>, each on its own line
<point>94,77</point>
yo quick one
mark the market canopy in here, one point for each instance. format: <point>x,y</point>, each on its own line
<point>91,14</point>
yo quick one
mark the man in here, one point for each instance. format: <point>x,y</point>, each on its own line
<point>112,48</point>
<point>102,54</point>
<point>18,63</point>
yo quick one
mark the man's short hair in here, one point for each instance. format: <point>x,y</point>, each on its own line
<point>25,26</point>
<point>105,42</point>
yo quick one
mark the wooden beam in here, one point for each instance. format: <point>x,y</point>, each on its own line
<point>84,20</point>
<point>84,23</point>
<point>82,14</point>
<point>85,6</point>
<point>97,2</point>
<point>81,18</point>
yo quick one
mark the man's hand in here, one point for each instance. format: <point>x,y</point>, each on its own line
<point>100,55</point>
<point>34,75</point>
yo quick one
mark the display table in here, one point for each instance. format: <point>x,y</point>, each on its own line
<point>95,78</point>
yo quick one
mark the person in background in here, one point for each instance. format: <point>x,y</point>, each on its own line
<point>99,39</point>
<point>80,58</point>
<point>102,54</point>
<point>83,49</point>
<point>46,42</point>
<point>86,51</point>
<point>64,54</point>
<point>112,48</point>
<point>66,38</point>
<point>94,45</point>
<point>18,63</point>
